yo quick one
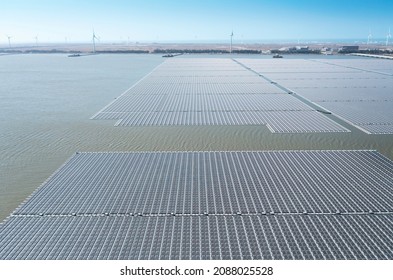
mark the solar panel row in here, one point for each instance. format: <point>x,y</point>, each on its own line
<point>207,89</point>
<point>346,94</point>
<point>348,88</point>
<point>217,102</point>
<point>212,92</point>
<point>199,237</point>
<point>276,121</point>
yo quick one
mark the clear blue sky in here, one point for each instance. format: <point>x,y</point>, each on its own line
<point>188,20</point>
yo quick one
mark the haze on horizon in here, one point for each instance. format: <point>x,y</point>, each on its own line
<point>194,20</point>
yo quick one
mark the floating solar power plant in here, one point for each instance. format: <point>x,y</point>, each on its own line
<point>321,237</point>
<point>217,183</point>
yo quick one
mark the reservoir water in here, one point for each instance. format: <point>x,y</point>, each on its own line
<point>46,102</point>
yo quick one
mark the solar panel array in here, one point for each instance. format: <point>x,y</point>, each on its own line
<point>213,92</point>
<point>200,237</point>
<point>373,65</point>
<point>360,91</point>
<point>208,205</point>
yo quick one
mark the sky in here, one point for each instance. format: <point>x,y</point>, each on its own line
<point>192,20</point>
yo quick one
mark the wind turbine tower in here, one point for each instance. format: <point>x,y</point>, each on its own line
<point>388,36</point>
<point>230,48</point>
<point>36,40</point>
<point>94,41</point>
<point>369,37</point>
<point>9,41</point>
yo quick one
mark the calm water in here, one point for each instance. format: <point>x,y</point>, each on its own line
<point>46,102</point>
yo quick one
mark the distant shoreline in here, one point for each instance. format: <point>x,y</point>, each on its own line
<point>195,49</point>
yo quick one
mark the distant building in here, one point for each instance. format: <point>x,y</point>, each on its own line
<point>347,49</point>
<point>302,48</point>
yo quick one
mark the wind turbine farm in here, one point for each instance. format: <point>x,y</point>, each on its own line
<point>372,44</point>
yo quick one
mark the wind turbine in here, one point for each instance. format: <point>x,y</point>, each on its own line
<point>94,41</point>
<point>36,40</point>
<point>230,48</point>
<point>369,37</point>
<point>9,40</point>
<point>388,36</point>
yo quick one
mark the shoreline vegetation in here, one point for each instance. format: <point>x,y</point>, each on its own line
<point>197,49</point>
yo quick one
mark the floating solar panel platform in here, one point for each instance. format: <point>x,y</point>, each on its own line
<point>345,94</point>
<point>277,122</point>
<point>364,114</point>
<point>163,88</point>
<point>230,237</point>
<point>360,91</point>
<point>377,65</point>
<point>213,92</point>
<point>208,205</point>
<point>206,102</point>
